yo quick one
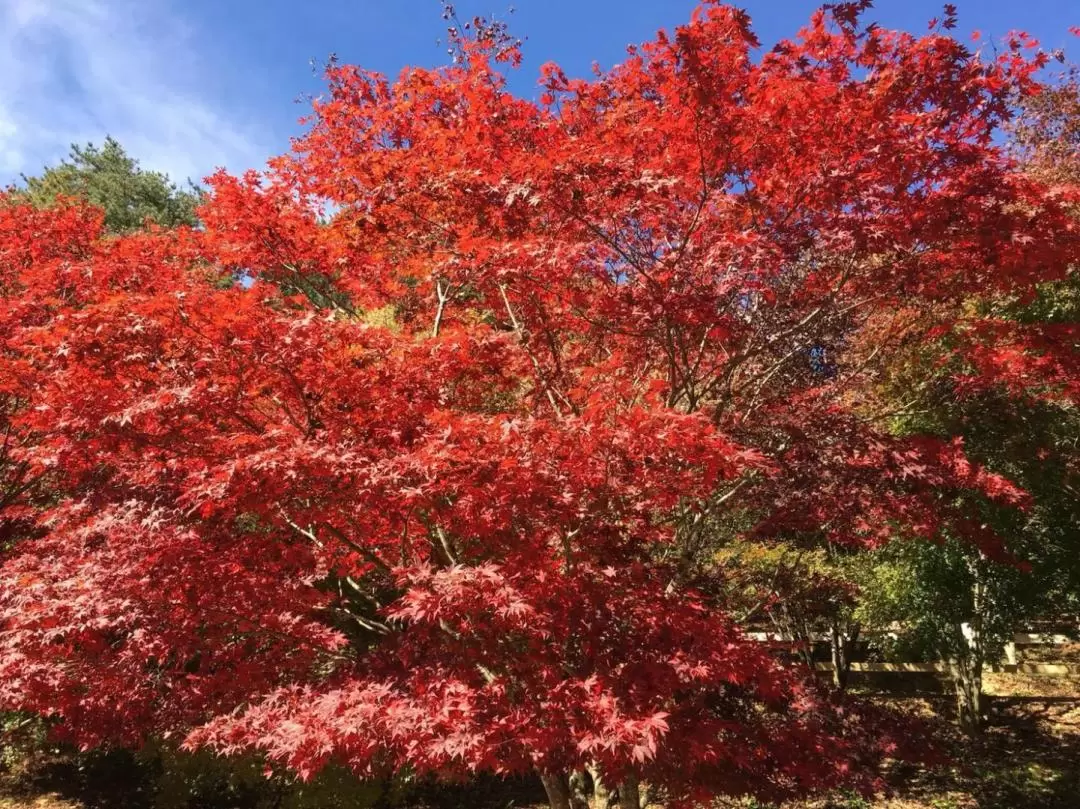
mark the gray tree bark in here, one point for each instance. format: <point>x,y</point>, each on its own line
<point>557,789</point>
<point>967,667</point>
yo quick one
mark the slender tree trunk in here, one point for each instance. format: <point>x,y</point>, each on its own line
<point>967,678</point>
<point>557,789</point>
<point>843,646</point>
<point>795,628</point>
<point>967,667</point>
<point>600,797</point>
<point>806,642</point>
<point>579,795</point>
<point>629,793</point>
<point>839,671</point>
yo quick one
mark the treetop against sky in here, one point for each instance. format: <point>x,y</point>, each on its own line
<point>190,86</point>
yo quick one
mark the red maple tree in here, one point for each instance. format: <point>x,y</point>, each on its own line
<point>422,495</point>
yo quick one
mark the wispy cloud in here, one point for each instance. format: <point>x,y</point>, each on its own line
<point>74,71</point>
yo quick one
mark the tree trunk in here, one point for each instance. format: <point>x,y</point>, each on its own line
<point>836,644</point>
<point>967,667</point>
<point>601,798</point>
<point>557,789</point>
<point>629,793</point>
<point>967,677</point>
<point>842,650</point>
<point>796,629</point>
<point>579,794</point>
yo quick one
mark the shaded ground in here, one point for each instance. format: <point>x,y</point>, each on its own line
<point>1028,758</point>
<point>120,780</point>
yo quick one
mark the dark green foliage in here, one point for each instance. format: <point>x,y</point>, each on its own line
<point>108,178</point>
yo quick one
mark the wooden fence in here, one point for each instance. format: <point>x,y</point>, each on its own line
<point>1011,659</point>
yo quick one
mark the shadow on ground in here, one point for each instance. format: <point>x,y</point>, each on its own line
<point>121,780</point>
<point>1028,757</point>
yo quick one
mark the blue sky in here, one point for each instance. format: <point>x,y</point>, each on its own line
<point>188,85</point>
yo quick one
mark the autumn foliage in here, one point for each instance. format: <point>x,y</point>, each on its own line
<point>427,493</point>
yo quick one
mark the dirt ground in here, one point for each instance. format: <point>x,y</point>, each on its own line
<point>1027,758</point>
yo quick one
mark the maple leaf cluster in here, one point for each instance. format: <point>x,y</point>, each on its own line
<point>418,496</point>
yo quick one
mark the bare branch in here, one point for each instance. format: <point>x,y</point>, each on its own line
<point>443,295</point>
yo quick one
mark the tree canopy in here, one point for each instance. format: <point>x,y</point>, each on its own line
<point>430,494</point>
<point>111,180</point>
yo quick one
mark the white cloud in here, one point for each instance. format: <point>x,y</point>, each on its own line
<point>74,71</point>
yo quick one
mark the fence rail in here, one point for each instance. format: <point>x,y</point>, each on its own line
<point>1041,669</point>
<point>1020,638</point>
<point>1010,662</point>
